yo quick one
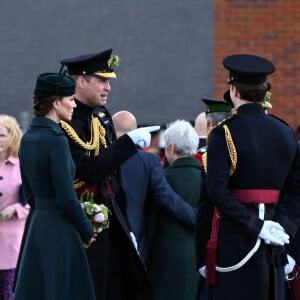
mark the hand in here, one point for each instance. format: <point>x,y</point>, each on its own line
<point>8,212</point>
<point>202,271</point>
<point>273,233</point>
<point>142,136</point>
<point>289,267</point>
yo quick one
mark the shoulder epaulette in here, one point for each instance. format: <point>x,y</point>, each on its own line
<point>101,114</point>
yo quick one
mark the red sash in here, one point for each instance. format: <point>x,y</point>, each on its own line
<point>257,196</point>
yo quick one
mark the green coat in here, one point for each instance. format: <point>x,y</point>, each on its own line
<point>53,264</point>
<point>172,261</point>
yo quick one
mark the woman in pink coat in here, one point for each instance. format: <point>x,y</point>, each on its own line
<point>12,212</point>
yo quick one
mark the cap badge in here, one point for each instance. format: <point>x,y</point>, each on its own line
<point>114,61</point>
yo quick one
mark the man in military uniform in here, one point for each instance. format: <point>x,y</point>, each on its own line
<point>216,111</point>
<point>290,268</point>
<point>245,221</point>
<point>117,270</point>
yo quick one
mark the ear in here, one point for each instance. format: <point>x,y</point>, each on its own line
<point>80,82</point>
<point>210,124</point>
<point>235,91</point>
<point>56,104</point>
<point>172,149</point>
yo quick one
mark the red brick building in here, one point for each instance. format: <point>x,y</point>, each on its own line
<point>268,28</point>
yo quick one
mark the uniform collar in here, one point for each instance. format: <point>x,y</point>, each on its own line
<point>83,108</point>
<point>250,108</point>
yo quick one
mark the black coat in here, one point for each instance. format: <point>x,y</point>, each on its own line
<point>291,194</point>
<point>266,153</point>
<point>117,269</point>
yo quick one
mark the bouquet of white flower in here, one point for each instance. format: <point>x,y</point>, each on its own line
<point>98,214</point>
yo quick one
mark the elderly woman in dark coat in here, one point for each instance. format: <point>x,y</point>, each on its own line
<point>173,258</point>
<point>53,264</point>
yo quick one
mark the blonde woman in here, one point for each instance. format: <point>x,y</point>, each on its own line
<point>13,211</point>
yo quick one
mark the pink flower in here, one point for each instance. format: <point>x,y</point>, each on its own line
<point>99,217</point>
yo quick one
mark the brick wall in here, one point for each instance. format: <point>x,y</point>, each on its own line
<point>268,28</point>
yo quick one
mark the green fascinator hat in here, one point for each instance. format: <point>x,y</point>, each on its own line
<point>49,84</point>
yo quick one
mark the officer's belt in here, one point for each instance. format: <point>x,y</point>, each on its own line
<point>256,196</point>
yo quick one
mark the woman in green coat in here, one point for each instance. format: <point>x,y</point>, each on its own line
<point>53,263</point>
<point>172,258</point>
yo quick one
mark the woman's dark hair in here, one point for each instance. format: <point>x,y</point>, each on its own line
<point>252,91</point>
<point>41,107</point>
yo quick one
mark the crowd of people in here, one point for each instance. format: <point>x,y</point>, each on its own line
<point>216,216</point>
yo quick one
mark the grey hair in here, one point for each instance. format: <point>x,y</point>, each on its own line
<point>216,117</point>
<point>183,136</point>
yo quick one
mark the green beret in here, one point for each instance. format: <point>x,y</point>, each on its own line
<point>49,84</point>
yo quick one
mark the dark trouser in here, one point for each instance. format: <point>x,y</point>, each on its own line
<point>258,279</point>
<point>109,264</point>
<point>6,284</point>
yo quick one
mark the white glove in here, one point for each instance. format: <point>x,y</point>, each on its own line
<point>202,271</point>
<point>142,136</point>
<point>273,233</point>
<point>134,240</point>
<point>289,267</point>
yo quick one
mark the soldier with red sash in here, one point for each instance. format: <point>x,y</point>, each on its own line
<point>243,225</point>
